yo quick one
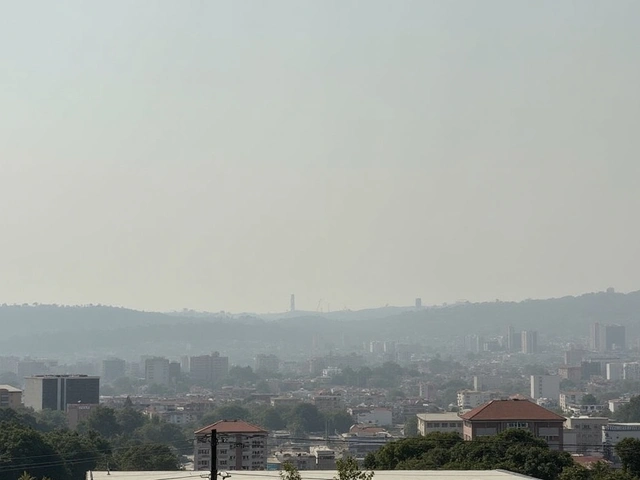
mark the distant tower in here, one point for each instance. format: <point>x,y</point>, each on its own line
<point>293,302</point>
<point>418,303</point>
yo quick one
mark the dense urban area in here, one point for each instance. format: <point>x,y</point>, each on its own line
<point>546,399</point>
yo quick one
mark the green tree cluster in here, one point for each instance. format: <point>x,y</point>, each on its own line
<point>629,412</point>
<point>303,418</point>
<point>387,375</point>
<point>514,450</point>
<point>36,445</point>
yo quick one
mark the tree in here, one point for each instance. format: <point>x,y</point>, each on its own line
<point>589,399</point>
<point>146,457</point>
<point>411,426</point>
<point>307,418</point>
<point>102,420</point>
<point>78,452</point>
<point>129,419</point>
<point>22,450</point>
<point>629,412</point>
<point>348,469</point>
<point>289,472</point>
<point>272,420</point>
<point>628,450</point>
<point>226,412</point>
<point>164,433</point>
<point>339,421</point>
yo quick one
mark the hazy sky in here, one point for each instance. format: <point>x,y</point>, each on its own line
<point>223,155</point>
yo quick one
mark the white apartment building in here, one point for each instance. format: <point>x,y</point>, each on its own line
<point>587,434</point>
<point>470,399</point>
<point>156,370</point>
<point>615,371</point>
<point>380,416</point>
<point>486,382</point>
<point>439,422</point>
<point>616,403</point>
<point>568,399</point>
<point>614,433</point>
<point>241,446</point>
<point>545,386</point>
<point>631,371</point>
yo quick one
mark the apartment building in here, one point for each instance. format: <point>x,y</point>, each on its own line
<point>156,371</point>
<point>241,446</point>
<point>583,435</point>
<point>55,392</point>
<point>613,433</point>
<point>209,369</point>
<point>112,369</point>
<point>376,416</point>
<point>545,386</point>
<point>449,422</point>
<point>500,415</point>
<point>469,399</point>
<point>10,397</point>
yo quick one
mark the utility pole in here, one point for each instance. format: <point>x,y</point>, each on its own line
<point>214,454</point>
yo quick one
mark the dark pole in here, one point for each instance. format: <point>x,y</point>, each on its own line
<point>214,454</point>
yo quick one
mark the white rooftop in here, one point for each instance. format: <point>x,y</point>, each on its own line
<point>9,388</point>
<point>314,475</point>
<point>439,417</point>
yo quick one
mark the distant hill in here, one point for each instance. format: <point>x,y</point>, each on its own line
<point>40,330</point>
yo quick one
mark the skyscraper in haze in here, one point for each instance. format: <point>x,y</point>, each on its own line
<point>595,342</point>
<point>514,340</point>
<point>529,342</point>
<point>293,303</point>
<point>614,337</point>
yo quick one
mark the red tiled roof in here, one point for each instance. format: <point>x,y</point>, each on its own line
<point>231,426</point>
<point>513,409</point>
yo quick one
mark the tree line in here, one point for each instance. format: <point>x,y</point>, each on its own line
<point>37,446</point>
<point>514,450</point>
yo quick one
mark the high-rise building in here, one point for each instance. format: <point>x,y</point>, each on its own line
<point>156,371</point>
<point>293,303</point>
<point>209,369</point>
<point>418,303</point>
<point>241,446</point>
<point>267,363</point>
<point>614,337</point>
<point>529,342</point>
<point>545,386</point>
<point>595,343</point>
<point>174,371</point>
<point>514,340</point>
<point>55,392</point>
<point>112,369</point>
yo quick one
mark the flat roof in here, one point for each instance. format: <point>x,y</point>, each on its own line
<point>9,388</point>
<point>314,475</point>
<point>439,417</point>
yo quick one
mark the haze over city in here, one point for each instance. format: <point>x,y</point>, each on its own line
<point>223,155</point>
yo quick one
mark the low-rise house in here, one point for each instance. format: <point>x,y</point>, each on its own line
<point>449,422</point>
<point>372,415</point>
<point>497,416</point>
<point>10,397</point>
<point>241,446</point>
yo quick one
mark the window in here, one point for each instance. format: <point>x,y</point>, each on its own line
<point>203,451</point>
<point>222,462</point>
<point>517,425</point>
